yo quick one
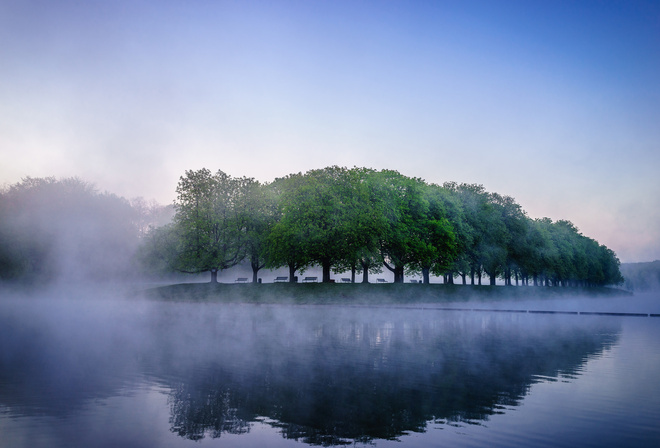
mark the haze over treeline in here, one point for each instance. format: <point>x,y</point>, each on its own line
<point>66,230</point>
<point>355,220</point>
<point>642,276</point>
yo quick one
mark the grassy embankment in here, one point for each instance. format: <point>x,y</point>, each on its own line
<point>358,293</point>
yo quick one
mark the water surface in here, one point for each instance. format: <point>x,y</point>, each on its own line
<point>105,372</point>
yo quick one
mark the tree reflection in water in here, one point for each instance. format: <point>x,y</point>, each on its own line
<point>330,376</point>
<point>192,420</point>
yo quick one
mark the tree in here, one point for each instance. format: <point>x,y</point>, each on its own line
<point>150,214</point>
<point>364,226</point>
<point>210,221</point>
<point>260,215</point>
<point>416,233</point>
<point>158,251</point>
<point>512,237</point>
<point>286,245</point>
<point>435,242</point>
<point>535,245</point>
<point>462,229</point>
<point>483,249</point>
<point>322,217</point>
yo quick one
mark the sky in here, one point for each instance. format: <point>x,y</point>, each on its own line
<point>555,103</point>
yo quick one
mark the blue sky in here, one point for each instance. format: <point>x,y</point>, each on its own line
<point>554,103</point>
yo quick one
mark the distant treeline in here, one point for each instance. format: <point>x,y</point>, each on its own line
<point>355,220</point>
<point>66,230</point>
<point>642,276</point>
<point>362,220</point>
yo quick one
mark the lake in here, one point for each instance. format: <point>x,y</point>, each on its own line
<point>81,371</point>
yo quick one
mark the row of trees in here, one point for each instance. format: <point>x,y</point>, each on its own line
<point>362,220</point>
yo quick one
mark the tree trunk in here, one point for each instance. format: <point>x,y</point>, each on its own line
<point>292,273</point>
<point>326,271</point>
<point>353,269</point>
<point>398,274</point>
<point>365,272</point>
<point>255,271</point>
<point>425,275</point>
<point>463,276</point>
<point>214,276</point>
<point>492,279</point>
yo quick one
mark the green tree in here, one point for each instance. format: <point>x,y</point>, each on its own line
<point>417,234</point>
<point>483,250</point>
<point>435,242</point>
<point>158,251</point>
<point>260,217</point>
<point>286,242</point>
<point>210,221</point>
<point>319,212</point>
<point>364,224</point>
<point>513,234</point>
<point>534,246</point>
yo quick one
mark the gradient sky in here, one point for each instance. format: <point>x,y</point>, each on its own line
<point>556,103</point>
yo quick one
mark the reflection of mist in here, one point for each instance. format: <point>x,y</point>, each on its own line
<point>323,375</point>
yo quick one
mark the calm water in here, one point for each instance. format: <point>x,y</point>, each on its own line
<point>80,372</point>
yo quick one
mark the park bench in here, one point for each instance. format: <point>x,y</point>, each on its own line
<point>241,280</point>
<point>281,279</point>
<point>381,280</point>
<point>310,279</point>
<point>345,280</point>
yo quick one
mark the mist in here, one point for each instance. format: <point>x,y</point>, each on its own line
<point>324,374</point>
<point>60,233</point>
<point>641,277</point>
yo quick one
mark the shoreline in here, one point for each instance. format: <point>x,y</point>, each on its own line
<point>365,294</point>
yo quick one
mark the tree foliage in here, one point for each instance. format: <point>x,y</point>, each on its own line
<point>359,220</point>
<point>211,221</point>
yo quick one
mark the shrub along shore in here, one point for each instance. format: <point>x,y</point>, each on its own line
<point>363,294</point>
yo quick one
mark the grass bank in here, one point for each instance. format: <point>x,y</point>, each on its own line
<point>362,294</point>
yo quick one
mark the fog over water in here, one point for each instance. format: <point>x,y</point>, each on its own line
<point>78,369</point>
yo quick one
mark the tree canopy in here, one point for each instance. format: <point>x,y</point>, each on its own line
<point>356,220</point>
<point>364,220</point>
